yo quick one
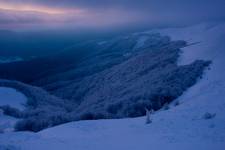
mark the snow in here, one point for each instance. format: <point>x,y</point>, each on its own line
<point>141,42</point>
<point>208,42</point>
<point>10,96</point>
<point>7,123</point>
<point>181,127</point>
<point>211,47</point>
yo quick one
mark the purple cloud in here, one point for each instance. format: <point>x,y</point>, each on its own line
<point>112,13</point>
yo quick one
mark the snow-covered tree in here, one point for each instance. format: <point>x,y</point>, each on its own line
<point>148,116</point>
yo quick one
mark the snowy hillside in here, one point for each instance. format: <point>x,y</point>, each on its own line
<point>209,45</point>
<point>117,78</point>
<point>11,97</point>
<point>194,121</point>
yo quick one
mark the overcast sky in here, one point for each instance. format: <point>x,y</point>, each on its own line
<point>40,14</point>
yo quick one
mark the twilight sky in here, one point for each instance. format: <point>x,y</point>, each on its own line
<point>76,14</point>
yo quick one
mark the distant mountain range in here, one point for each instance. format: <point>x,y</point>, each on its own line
<point>111,78</point>
<point>28,44</point>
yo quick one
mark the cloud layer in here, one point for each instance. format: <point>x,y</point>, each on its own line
<point>108,13</point>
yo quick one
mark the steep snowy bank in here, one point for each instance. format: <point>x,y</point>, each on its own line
<point>185,126</point>
<point>209,45</point>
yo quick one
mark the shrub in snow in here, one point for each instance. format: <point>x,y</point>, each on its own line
<point>9,147</point>
<point>166,106</point>
<point>176,103</point>
<point>1,112</point>
<point>135,109</point>
<point>87,116</point>
<point>10,111</point>
<point>113,108</point>
<point>208,115</point>
<point>31,124</point>
<point>42,121</point>
<point>91,116</point>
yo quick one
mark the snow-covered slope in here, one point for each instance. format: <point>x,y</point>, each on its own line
<point>209,45</point>
<point>188,125</point>
<point>11,97</point>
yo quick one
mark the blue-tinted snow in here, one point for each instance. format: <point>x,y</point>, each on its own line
<point>11,97</point>
<point>180,127</point>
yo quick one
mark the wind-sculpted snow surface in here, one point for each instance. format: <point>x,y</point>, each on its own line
<point>120,79</point>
